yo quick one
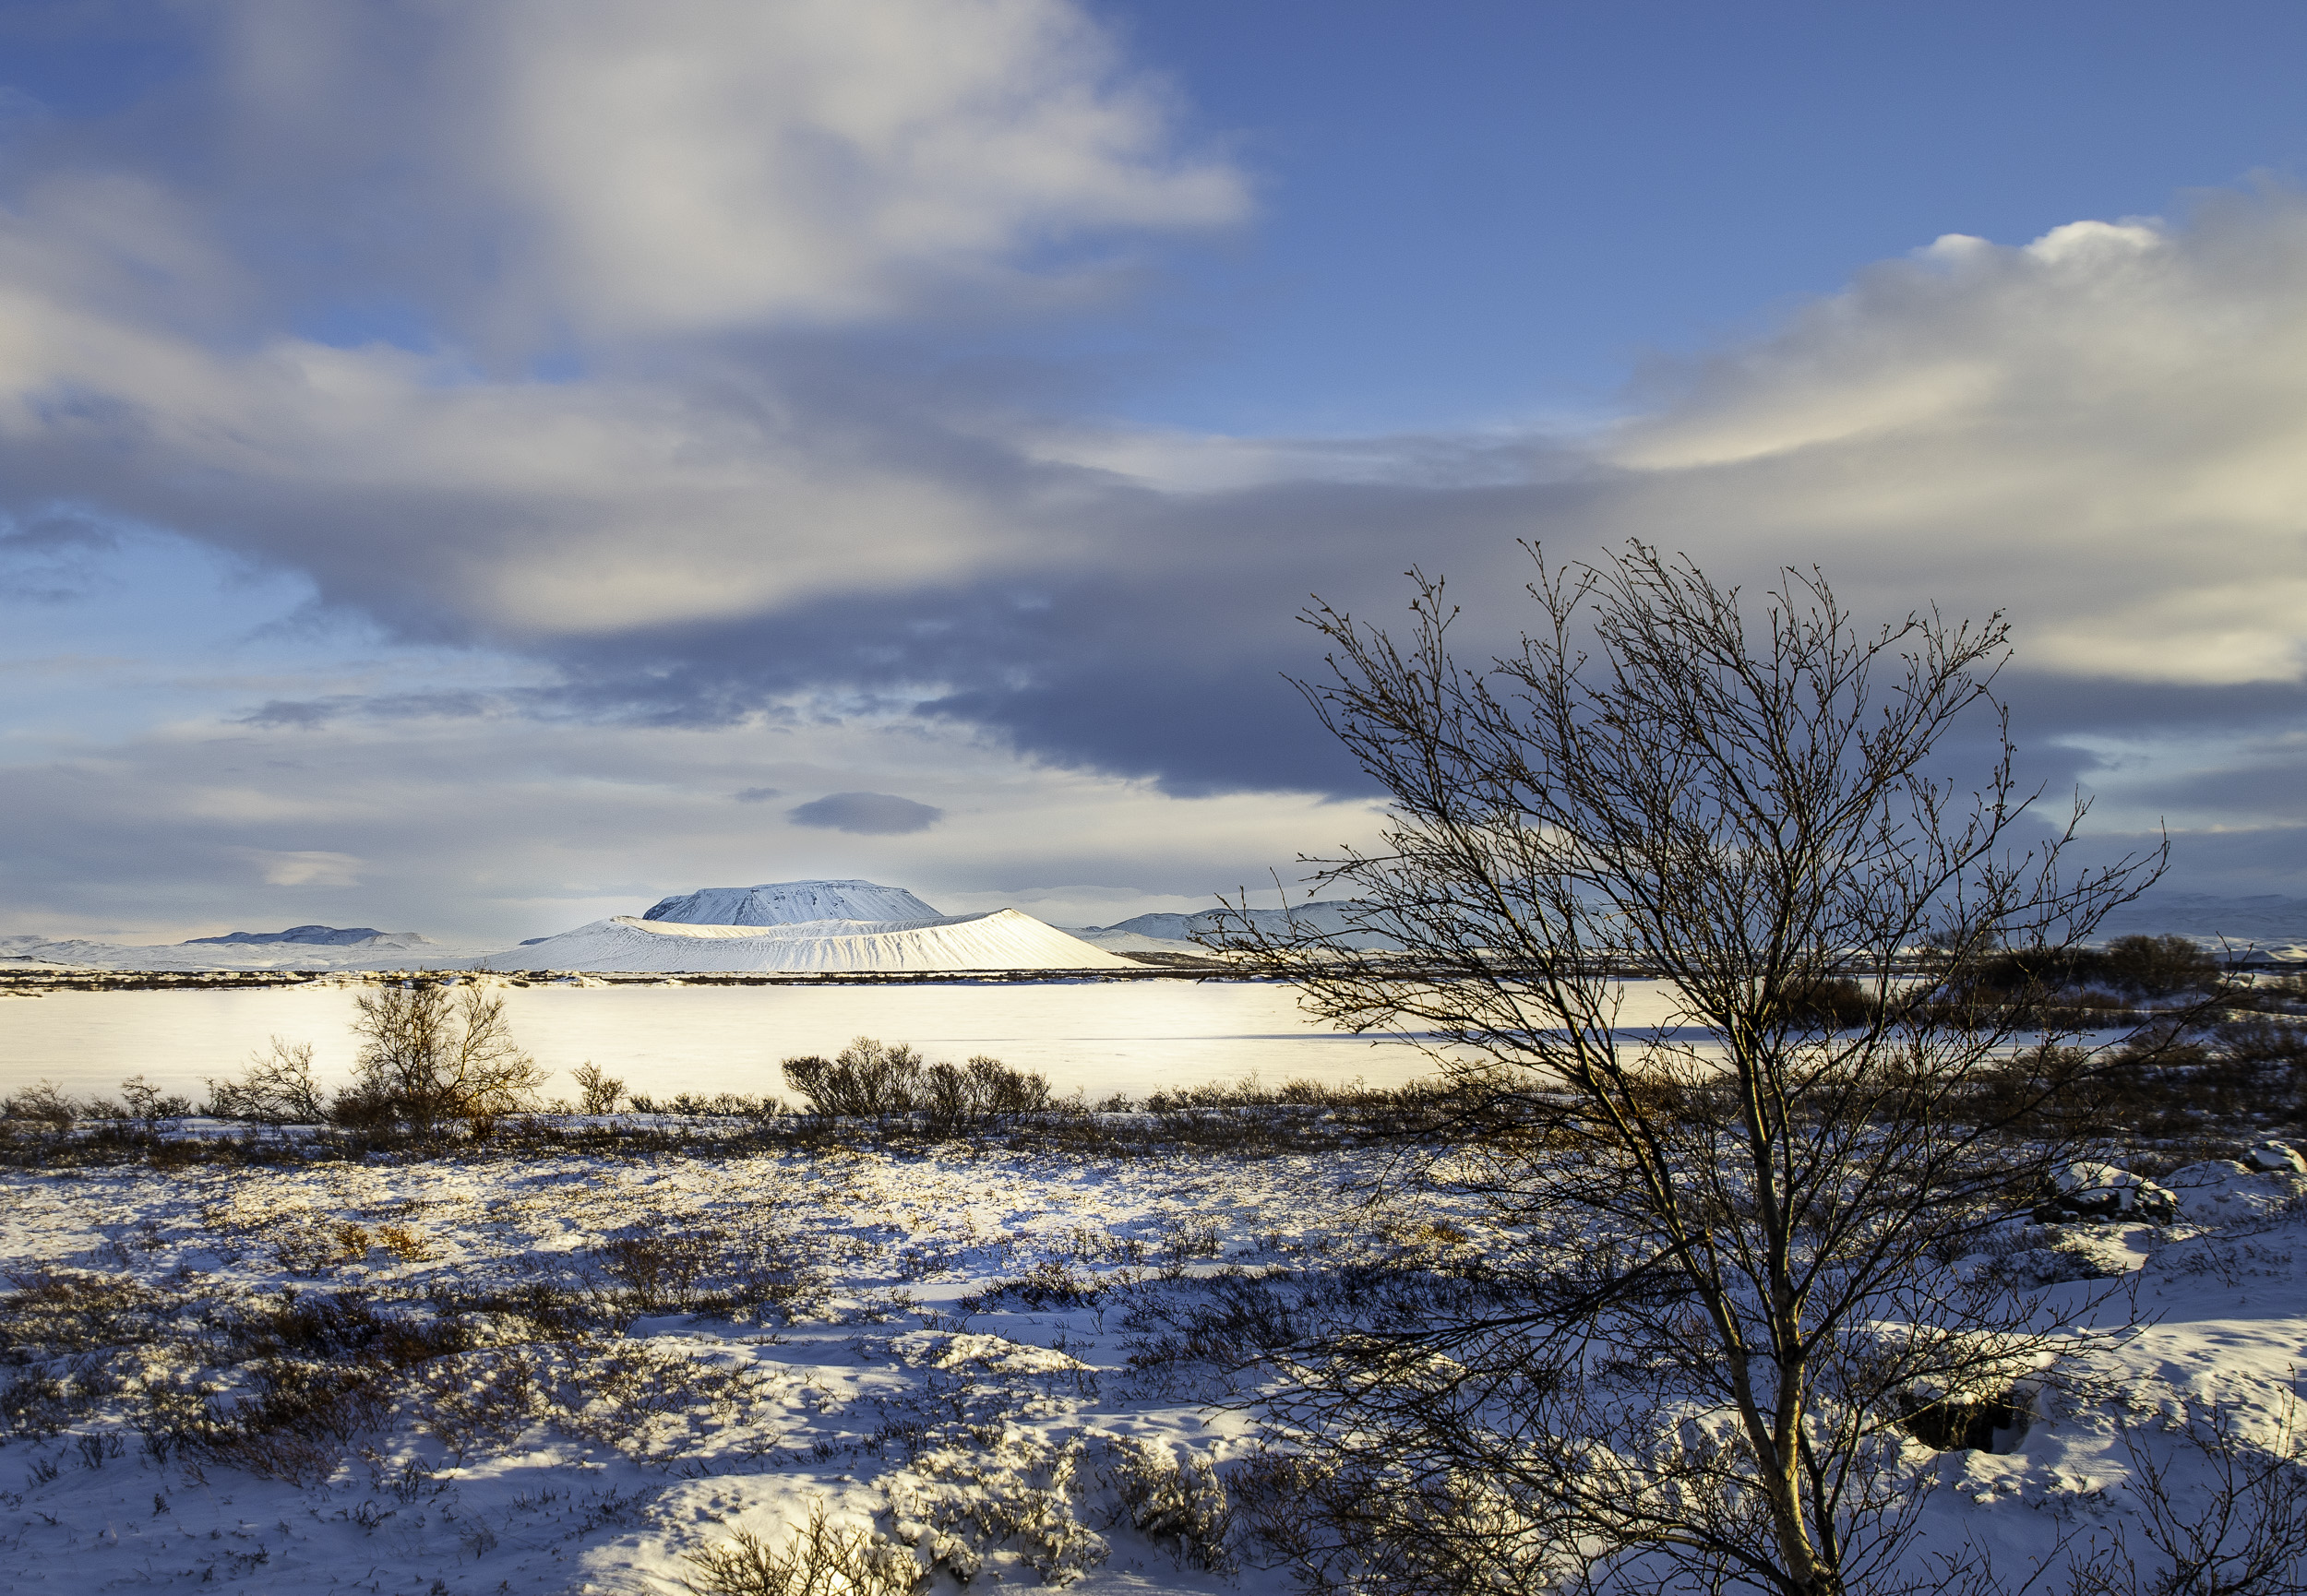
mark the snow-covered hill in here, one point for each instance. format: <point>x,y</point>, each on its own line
<point>1002,939</point>
<point>245,950</point>
<point>791,903</point>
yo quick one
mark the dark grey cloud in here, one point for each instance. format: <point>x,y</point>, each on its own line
<point>310,713</point>
<point>866,814</point>
<point>757,795</point>
<point>313,714</point>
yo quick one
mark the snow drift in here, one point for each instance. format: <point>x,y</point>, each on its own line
<point>1001,939</point>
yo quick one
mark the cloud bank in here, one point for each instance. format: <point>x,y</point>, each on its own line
<point>638,349</point>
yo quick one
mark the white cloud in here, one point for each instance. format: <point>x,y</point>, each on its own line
<point>2103,432</point>
<point>618,167</point>
<point>527,173</point>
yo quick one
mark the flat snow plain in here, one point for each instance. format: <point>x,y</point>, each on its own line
<point>890,1377</point>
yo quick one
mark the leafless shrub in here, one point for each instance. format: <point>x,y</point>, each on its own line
<point>278,1087</point>
<point>2240,1530</point>
<point>52,1314</point>
<point>1048,1284</point>
<point>596,1093</point>
<point>661,1268</point>
<point>482,1398</point>
<point>1182,1506</point>
<point>694,1105</point>
<point>975,1487</point>
<point>820,1559</point>
<point>290,1421</point>
<point>650,1403</point>
<point>38,1403</point>
<point>1966,1424</point>
<point>308,1248</point>
<point>1184,1240</point>
<point>429,1058</point>
<point>45,1103</point>
<point>870,1081</point>
<point>147,1102</point>
<point>865,1079</point>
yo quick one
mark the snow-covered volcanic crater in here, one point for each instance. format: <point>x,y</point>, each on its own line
<point>823,926</point>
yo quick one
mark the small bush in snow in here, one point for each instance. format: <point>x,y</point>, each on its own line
<point>597,1093</point>
<point>43,1102</point>
<point>277,1089</point>
<point>821,1559</point>
<point>870,1081</point>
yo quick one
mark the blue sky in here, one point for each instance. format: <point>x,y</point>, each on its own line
<point>1486,214</point>
<point>475,469</point>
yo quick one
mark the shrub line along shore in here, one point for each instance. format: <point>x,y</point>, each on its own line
<point>30,983</point>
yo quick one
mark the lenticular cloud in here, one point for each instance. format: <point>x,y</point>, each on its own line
<point>869,814</point>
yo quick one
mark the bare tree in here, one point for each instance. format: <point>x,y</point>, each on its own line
<point>428,1057</point>
<point>276,1088</point>
<point>1717,1303</point>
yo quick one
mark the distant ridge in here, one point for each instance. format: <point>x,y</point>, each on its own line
<point>313,936</point>
<point>2266,921</point>
<point>1176,932</point>
<point>299,947</point>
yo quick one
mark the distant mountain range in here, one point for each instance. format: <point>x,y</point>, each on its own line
<point>299,947</point>
<point>900,931</point>
<point>315,936</point>
<point>2265,922</point>
<point>1176,932</point>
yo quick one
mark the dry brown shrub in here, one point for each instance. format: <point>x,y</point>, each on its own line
<point>404,1243</point>
<point>53,1313</point>
<point>820,1560</point>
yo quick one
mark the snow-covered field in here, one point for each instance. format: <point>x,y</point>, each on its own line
<point>1133,1037</point>
<point>581,1370</point>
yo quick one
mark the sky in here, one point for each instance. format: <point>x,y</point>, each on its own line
<point>474,469</point>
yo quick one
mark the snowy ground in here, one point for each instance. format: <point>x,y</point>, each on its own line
<point>973,1351</point>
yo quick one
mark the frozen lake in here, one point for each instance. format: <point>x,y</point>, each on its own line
<point>1132,1037</point>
